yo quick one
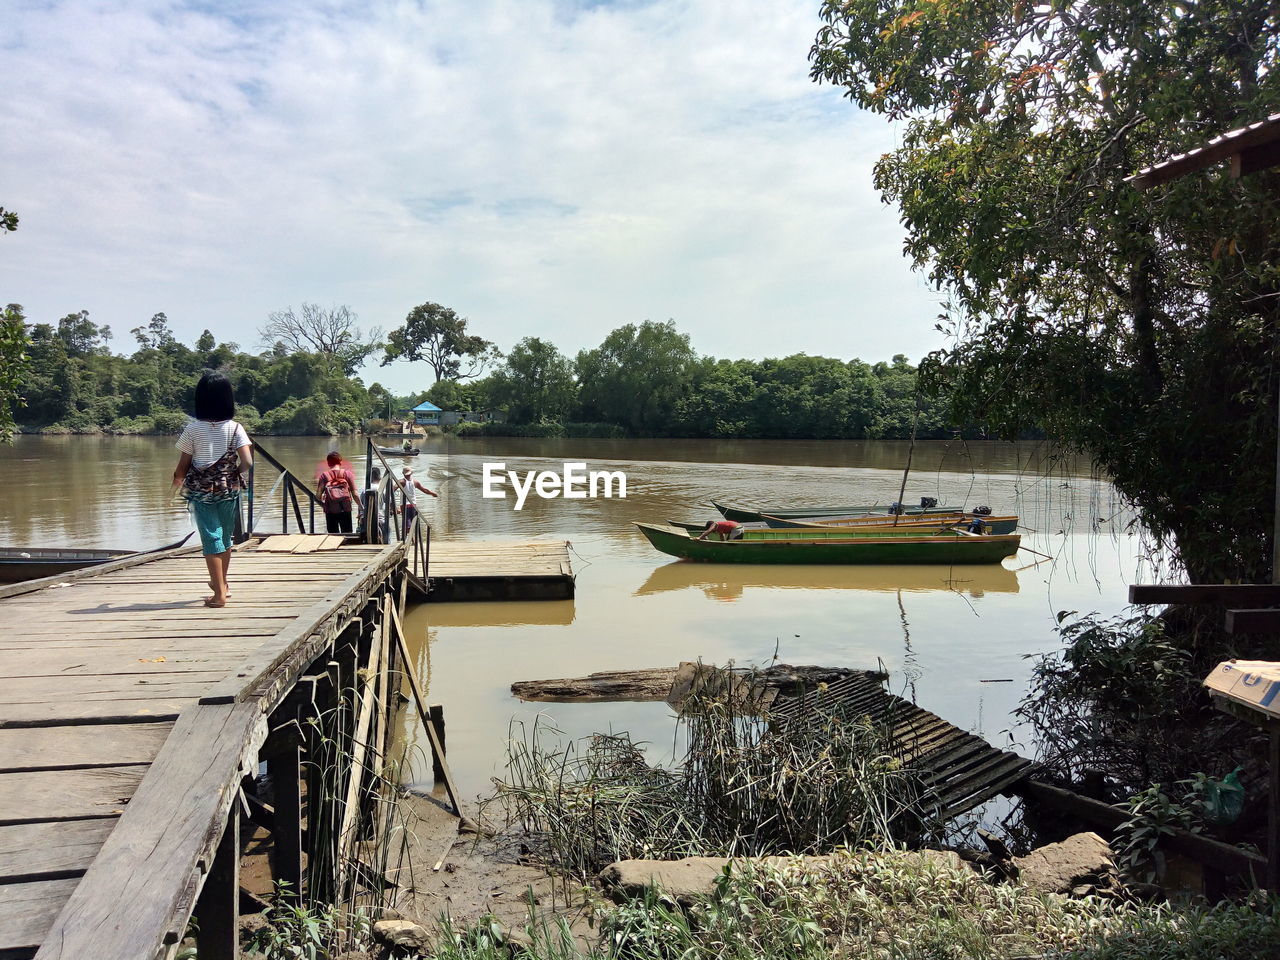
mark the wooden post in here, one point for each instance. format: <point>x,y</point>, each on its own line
<point>1275,529</point>
<point>218,909</point>
<point>286,833</point>
<point>437,720</point>
<point>1273,817</point>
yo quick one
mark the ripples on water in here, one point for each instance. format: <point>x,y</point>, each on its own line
<point>940,631</point>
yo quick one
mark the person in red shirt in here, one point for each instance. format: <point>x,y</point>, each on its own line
<point>728,529</point>
<point>337,489</point>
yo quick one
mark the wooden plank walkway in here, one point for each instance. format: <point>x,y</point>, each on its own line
<point>961,771</point>
<point>500,570</point>
<point>129,712</point>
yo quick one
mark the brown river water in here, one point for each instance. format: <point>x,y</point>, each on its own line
<point>940,631</point>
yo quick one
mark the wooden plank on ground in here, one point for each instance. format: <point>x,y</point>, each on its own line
<point>93,712</point>
<point>282,543</point>
<point>310,543</point>
<point>138,893</point>
<point>50,851</point>
<point>143,659</point>
<point>332,542</point>
<point>56,748</point>
<point>80,689</point>
<point>27,911</point>
<point>68,794</point>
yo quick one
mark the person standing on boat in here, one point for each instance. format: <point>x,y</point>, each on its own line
<point>409,486</point>
<point>215,457</point>
<point>336,486</point>
<point>728,529</point>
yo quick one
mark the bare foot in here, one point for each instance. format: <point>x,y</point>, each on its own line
<point>215,589</point>
<point>214,602</point>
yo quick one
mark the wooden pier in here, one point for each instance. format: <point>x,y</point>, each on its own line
<point>499,570</point>
<point>130,717</point>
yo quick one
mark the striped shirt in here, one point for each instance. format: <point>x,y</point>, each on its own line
<point>207,441</point>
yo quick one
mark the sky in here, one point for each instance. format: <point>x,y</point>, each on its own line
<point>546,168</point>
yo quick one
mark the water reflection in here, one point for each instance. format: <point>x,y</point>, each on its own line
<point>730,581</point>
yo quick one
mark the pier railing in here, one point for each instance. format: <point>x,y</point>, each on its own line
<point>289,502</point>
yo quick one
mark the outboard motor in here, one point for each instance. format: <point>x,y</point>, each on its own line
<point>977,525</point>
<point>982,511</point>
<point>895,509</point>
<point>927,502</point>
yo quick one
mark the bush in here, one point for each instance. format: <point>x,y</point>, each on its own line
<point>313,416</point>
<point>169,421</point>
<point>600,431</point>
<point>375,425</point>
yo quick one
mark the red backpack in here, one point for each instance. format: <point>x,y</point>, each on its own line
<point>337,486</point>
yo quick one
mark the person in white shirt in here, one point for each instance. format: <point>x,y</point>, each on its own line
<point>409,485</point>
<point>214,462</point>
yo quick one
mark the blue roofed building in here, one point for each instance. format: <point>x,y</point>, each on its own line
<point>426,414</point>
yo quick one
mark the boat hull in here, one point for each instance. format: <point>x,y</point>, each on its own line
<point>745,514</point>
<point>919,522</point>
<point>832,547</point>
<point>398,452</point>
<point>20,564</point>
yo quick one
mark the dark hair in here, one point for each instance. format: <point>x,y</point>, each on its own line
<point>215,399</point>
<point>376,473</point>
<point>709,525</point>
<point>333,459</point>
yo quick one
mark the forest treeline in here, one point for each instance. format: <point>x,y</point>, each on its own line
<point>642,380</point>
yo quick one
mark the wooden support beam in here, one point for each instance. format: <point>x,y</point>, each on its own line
<point>1253,621</point>
<point>1222,594</point>
<point>437,748</point>
<point>218,909</point>
<point>437,722</point>
<point>286,832</point>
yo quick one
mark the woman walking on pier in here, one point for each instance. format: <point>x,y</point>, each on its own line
<point>215,460</point>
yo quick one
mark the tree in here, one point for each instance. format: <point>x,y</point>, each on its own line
<point>13,366</point>
<point>333,333</point>
<point>439,336</point>
<point>156,335</point>
<point>8,220</point>
<point>637,377</point>
<point>1137,327</point>
<point>82,336</point>
<point>535,383</point>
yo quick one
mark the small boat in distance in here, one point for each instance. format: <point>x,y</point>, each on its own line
<point>931,521</point>
<point>746,514</point>
<point>834,546</point>
<point>19,564</point>
<point>398,451</point>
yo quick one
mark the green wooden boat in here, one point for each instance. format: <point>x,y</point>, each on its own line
<point>746,514</point>
<point>833,546</point>
<point>918,522</point>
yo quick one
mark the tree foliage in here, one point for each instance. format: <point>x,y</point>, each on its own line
<point>72,382</point>
<point>1139,327</point>
<point>439,336</point>
<point>636,376</point>
<point>332,332</point>
<point>13,363</point>
<point>535,383</point>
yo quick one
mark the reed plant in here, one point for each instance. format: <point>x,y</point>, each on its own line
<point>747,784</point>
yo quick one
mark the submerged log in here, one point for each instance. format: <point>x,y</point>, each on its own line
<point>657,683</point>
<point>609,686</point>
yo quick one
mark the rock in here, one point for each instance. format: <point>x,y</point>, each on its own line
<point>388,914</point>
<point>404,934</point>
<point>684,880</point>
<point>1083,859</point>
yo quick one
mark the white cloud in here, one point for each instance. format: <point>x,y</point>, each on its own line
<point>545,168</point>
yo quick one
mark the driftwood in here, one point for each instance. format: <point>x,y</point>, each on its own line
<point>657,684</point>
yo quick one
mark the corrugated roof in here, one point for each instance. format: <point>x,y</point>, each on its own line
<point>427,405</point>
<point>1249,148</point>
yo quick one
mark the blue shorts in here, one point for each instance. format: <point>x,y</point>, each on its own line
<point>216,523</point>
